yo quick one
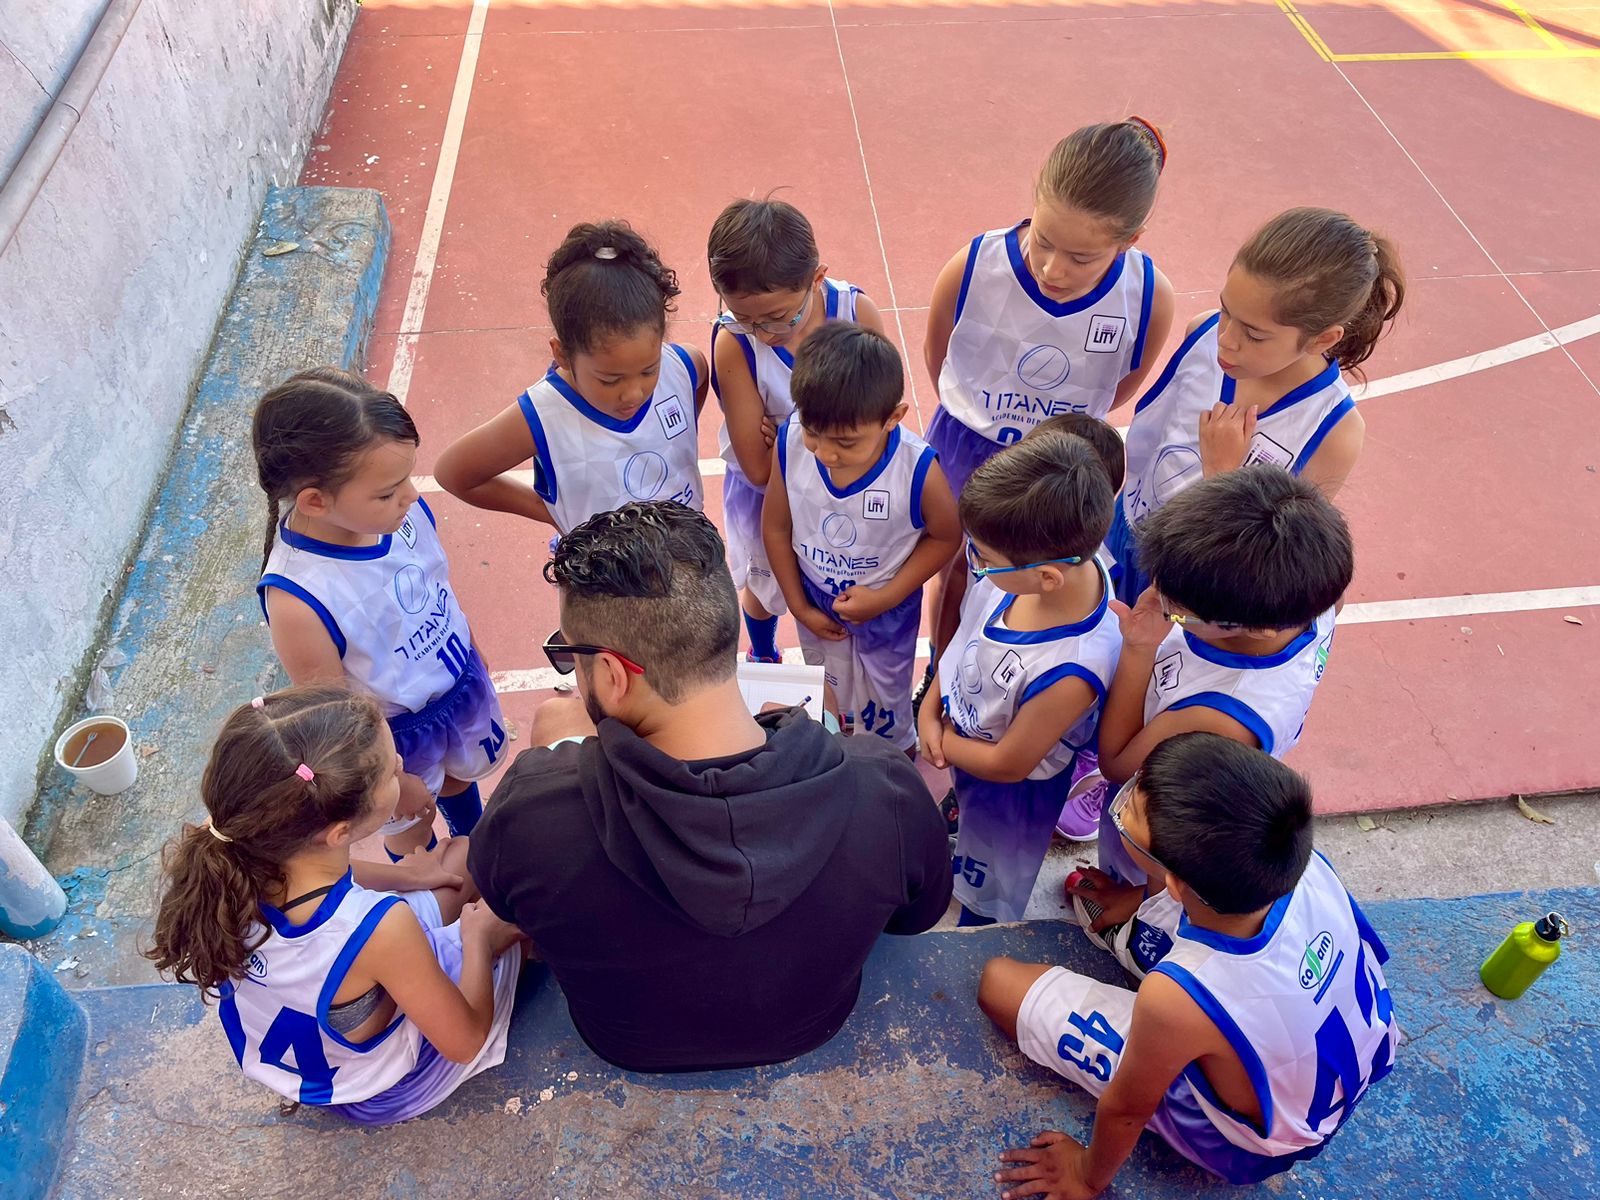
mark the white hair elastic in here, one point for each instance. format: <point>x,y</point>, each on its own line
<point>606,253</point>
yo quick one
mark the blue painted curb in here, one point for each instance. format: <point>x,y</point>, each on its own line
<point>42,1037</point>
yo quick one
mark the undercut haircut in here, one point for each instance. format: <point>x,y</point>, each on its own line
<point>1046,497</point>
<point>650,581</point>
<point>1258,547</point>
<point>1107,442</point>
<point>846,375</point>
<point>1229,820</point>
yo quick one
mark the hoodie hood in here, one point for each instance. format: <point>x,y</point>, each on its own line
<point>732,842</point>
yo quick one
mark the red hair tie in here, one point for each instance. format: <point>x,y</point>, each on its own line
<point>1155,137</point>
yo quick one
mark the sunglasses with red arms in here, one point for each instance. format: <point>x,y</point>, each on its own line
<point>563,656</point>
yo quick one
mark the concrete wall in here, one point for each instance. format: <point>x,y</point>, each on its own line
<point>109,295</point>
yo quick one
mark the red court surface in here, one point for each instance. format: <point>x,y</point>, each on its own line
<point>1465,129</point>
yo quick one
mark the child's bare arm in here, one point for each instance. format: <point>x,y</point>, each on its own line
<point>1037,727</point>
<point>475,467</point>
<point>1162,306</point>
<point>303,644</point>
<point>942,314</point>
<point>1333,461</point>
<point>941,536</point>
<point>777,535</point>
<point>867,314</point>
<point>702,379</point>
<point>742,411</point>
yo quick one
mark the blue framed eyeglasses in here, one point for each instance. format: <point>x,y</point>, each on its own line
<point>984,572</point>
<point>779,328</point>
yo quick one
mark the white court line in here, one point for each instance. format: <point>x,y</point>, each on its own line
<point>405,350</point>
<point>540,679</point>
<point>1455,368</point>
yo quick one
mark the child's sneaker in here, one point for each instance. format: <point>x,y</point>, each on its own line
<point>1086,912</point>
<point>922,690</point>
<point>950,810</point>
<point>752,657</point>
<point>1080,815</point>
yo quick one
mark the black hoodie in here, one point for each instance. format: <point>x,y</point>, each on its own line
<point>715,913</point>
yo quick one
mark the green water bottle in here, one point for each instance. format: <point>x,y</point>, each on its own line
<point>1523,956</point>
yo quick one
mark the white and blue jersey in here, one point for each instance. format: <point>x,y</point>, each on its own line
<point>989,671</point>
<point>586,462</point>
<point>1164,438</point>
<point>1269,694</point>
<point>1017,358</point>
<point>770,368</point>
<point>861,535</point>
<point>388,607</point>
<point>1305,1006</point>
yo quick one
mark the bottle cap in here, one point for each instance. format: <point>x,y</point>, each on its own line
<point>1552,927</point>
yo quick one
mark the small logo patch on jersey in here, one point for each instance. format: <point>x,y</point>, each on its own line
<point>1008,670</point>
<point>1105,334</point>
<point>408,533</point>
<point>1322,657</point>
<point>1314,963</point>
<point>411,588</point>
<point>1264,450</point>
<point>1044,367</point>
<point>256,965</point>
<point>1167,671</point>
<point>670,413</point>
<point>839,531</point>
<point>875,506</point>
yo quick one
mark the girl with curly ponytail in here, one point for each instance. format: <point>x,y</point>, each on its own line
<point>614,418</point>
<point>332,991</point>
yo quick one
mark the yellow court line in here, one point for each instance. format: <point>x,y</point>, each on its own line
<point>1311,35</point>
<point>1467,56</point>
<point>1527,19</point>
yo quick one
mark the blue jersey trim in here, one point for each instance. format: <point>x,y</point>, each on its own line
<point>352,947</point>
<point>966,279</point>
<point>783,447</point>
<point>890,446</point>
<point>1225,944</point>
<point>744,345</point>
<point>1314,443</point>
<point>1219,1016</point>
<point>232,1025</point>
<point>1055,675</point>
<point>1327,377</point>
<point>783,355</point>
<point>428,512</point>
<point>544,467</point>
<point>1171,369</point>
<point>694,377</point>
<point>1251,662</point>
<point>1228,706</point>
<point>1030,285</point>
<point>711,360</point>
<point>290,587</point>
<point>830,299</point>
<point>301,541</point>
<point>919,477</point>
<point>997,632</point>
<point>330,904</point>
<point>1146,299</point>
<point>570,394</point>
<point>1364,928</point>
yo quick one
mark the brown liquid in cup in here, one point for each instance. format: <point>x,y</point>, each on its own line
<point>105,746</point>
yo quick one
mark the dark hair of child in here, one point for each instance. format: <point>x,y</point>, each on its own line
<point>1256,547</point>
<point>605,282</point>
<point>761,246</point>
<point>1229,820</point>
<point>1107,442</point>
<point>845,376</point>
<point>1046,497</point>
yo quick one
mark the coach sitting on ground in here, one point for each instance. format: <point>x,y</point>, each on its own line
<point>705,885</point>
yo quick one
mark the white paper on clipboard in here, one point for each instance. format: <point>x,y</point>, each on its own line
<point>793,685</point>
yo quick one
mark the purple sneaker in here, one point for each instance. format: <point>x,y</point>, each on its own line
<point>752,657</point>
<point>1080,816</point>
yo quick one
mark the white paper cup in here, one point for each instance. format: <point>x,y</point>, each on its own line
<point>107,765</point>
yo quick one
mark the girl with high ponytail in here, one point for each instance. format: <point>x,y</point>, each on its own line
<point>1261,379</point>
<point>614,418</point>
<point>331,993</point>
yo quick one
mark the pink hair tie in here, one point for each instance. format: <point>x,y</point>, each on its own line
<point>259,702</point>
<point>305,772</point>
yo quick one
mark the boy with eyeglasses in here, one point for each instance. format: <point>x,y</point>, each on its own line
<point>1232,635</point>
<point>775,292</point>
<point>1015,702</point>
<point>1249,1045</point>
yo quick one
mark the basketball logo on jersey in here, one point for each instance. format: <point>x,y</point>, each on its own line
<point>408,533</point>
<point>1044,367</point>
<point>670,413</point>
<point>839,531</point>
<point>1166,673</point>
<point>1105,334</point>
<point>1264,450</point>
<point>875,506</point>
<point>1006,673</point>
<point>644,474</point>
<point>971,680</point>
<point>411,588</point>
